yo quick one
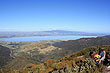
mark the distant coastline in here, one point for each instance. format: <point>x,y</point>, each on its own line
<point>42,35</point>
<point>42,38</point>
<point>47,33</point>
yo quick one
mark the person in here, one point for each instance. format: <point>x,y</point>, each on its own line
<point>96,57</point>
<point>99,50</point>
<point>102,54</point>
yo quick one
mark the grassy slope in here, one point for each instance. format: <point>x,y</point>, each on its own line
<point>74,63</point>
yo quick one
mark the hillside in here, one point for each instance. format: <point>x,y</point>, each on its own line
<point>78,62</point>
<point>25,53</point>
<point>20,62</point>
<point>4,55</point>
<point>76,45</point>
<point>43,51</point>
<point>38,51</point>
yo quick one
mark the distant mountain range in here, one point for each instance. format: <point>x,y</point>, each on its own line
<point>48,33</point>
<point>63,31</point>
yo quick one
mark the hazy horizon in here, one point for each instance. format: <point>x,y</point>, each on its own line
<point>107,33</point>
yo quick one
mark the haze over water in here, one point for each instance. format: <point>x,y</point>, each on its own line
<point>40,38</point>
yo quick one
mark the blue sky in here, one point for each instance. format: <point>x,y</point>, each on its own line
<point>40,15</point>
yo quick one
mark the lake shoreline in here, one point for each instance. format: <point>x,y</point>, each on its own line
<point>44,35</point>
<point>41,38</point>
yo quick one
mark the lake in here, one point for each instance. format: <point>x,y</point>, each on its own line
<point>40,38</point>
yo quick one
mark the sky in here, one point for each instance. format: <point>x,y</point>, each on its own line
<point>41,15</point>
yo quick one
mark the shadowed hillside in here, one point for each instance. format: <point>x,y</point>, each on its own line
<point>4,55</point>
<point>76,45</point>
<point>20,62</point>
